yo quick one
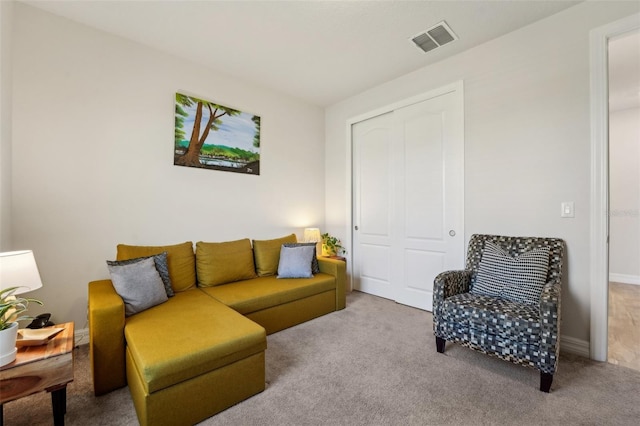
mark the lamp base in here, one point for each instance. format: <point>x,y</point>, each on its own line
<point>8,358</point>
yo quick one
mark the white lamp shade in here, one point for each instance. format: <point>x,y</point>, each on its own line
<point>312,235</point>
<point>19,269</point>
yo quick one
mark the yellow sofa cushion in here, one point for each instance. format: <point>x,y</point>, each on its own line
<point>180,259</point>
<point>220,263</point>
<point>267,254</point>
<point>189,335</point>
<point>265,292</point>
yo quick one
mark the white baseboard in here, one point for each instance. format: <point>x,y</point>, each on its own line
<point>574,346</point>
<point>81,337</point>
<point>624,279</point>
<point>567,344</point>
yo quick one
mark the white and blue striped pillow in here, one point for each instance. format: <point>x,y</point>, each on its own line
<point>519,279</point>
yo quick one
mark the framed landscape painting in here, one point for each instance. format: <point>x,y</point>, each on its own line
<point>216,137</point>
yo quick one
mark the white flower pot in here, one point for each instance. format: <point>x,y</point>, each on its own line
<point>8,348</point>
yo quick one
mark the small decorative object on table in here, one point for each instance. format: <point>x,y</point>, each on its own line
<point>331,246</point>
<point>36,337</point>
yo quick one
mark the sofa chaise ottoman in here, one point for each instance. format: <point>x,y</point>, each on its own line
<point>169,375</point>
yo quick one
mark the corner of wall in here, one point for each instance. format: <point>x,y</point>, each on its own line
<point>571,345</point>
<point>6,12</point>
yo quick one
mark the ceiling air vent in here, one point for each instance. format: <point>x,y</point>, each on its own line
<point>436,36</point>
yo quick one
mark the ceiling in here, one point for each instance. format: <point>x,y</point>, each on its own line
<point>318,51</point>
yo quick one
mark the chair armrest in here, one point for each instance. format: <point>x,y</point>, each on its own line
<point>106,337</point>
<point>447,284</point>
<point>550,326</point>
<point>337,268</point>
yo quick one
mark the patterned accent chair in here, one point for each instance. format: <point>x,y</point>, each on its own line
<point>525,333</point>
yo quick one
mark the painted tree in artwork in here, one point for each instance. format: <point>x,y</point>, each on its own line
<point>256,136</point>
<point>198,137</point>
<point>181,114</point>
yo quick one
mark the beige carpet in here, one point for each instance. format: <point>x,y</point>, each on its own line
<point>375,363</point>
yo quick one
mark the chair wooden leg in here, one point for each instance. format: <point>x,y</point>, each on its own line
<point>545,381</point>
<point>440,342</point>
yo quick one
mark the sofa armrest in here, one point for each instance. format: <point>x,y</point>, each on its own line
<point>446,284</point>
<point>550,326</point>
<point>337,268</point>
<point>106,337</point>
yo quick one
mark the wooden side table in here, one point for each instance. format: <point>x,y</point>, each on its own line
<point>344,259</point>
<point>46,367</point>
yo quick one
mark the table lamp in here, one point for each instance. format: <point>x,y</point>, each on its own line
<point>312,235</point>
<point>17,269</point>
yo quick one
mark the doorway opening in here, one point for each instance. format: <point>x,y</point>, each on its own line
<point>624,200</point>
<point>599,212</point>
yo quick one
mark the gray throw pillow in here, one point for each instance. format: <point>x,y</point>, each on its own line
<point>139,284</point>
<point>295,262</point>
<point>162,267</point>
<point>519,279</point>
<point>315,267</point>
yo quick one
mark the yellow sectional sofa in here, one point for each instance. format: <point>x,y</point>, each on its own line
<point>202,350</point>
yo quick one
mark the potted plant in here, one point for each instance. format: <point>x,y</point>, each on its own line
<point>12,308</point>
<point>331,246</point>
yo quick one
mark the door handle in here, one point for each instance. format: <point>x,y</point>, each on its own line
<point>355,227</point>
<point>452,233</point>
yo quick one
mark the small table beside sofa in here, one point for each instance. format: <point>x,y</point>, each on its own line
<point>201,350</point>
<point>41,367</point>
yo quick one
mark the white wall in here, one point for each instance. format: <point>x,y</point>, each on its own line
<point>93,165</point>
<point>6,12</point>
<point>624,201</point>
<point>526,138</point>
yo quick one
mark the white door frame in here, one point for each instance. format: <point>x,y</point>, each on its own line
<point>456,87</point>
<point>599,251</point>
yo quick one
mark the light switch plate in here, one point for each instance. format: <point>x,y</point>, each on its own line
<point>567,209</point>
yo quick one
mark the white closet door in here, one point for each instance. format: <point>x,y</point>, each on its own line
<point>372,168</point>
<point>408,199</point>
